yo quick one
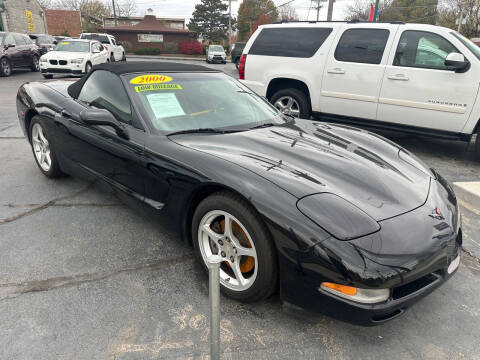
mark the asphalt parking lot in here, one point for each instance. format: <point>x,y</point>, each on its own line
<point>82,276</point>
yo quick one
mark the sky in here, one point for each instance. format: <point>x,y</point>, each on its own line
<point>184,8</point>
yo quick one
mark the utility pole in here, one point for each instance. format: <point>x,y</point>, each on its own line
<point>460,20</point>
<point>330,10</point>
<point>318,9</point>
<point>114,12</point>
<point>230,26</point>
<point>375,11</point>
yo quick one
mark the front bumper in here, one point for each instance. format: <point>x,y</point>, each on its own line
<point>410,255</point>
<point>217,59</point>
<point>69,69</point>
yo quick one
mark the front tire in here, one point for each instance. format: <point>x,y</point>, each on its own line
<point>5,67</point>
<point>477,145</point>
<point>227,225</point>
<point>35,63</point>
<point>88,67</point>
<point>112,58</point>
<point>47,76</point>
<point>293,102</point>
<point>124,58</point>
<point>43,150</point>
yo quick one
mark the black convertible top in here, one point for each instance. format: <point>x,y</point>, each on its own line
<point>137,66</point>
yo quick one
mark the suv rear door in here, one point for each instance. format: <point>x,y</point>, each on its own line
<point>354,70</point>
<point>419,90</point>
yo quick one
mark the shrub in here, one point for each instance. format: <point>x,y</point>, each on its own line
<point>147,51</point>
<point>170,48</point>
<point>191,47</point>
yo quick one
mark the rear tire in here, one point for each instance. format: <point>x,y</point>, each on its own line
<point>124,58</point>
<point>477,145</point>
<point>43,149</point>
<point>112,58</point>
<point>88,68</point>
<point>259,272</point>
<point>47,76</point>
<point>301,104</point>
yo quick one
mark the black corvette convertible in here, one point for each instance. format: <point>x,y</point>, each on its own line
<point>340,220</point>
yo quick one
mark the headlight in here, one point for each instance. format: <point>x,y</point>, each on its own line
<point>77,61</point>
<point>337,216</point>
<point>364,296</point>
<point>43,60</point>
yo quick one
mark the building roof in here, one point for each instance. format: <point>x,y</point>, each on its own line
<point>120,68</point>
<point>149,24</point>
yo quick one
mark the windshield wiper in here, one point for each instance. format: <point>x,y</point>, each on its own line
<point>263,126</point>
<point>202,131</point>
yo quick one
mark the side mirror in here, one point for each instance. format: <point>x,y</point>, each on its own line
<point>457,62</point>
<point>55,42</point>
<point>105,118</point>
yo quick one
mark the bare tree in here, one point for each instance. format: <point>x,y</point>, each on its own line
<point>287,13</point>
<point>127,8</point>
<point>450,11</point>
<point>47,4</point>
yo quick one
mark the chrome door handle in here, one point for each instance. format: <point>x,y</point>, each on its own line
<point>400,77</point>
<point>336,71</point>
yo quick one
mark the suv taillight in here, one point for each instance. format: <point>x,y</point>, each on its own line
<point>241,67</point>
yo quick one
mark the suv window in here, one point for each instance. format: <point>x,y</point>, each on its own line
<point>97,91</point>
<point>422,49</point>
<point>362,45</point>
<point>19,40</point>
<point>9,40</point>
<point>101,38</point>
<point>285,41</point>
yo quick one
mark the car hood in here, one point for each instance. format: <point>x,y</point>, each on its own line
<point>65,55</point>
<point>60,86</point>
<point>305,157</point>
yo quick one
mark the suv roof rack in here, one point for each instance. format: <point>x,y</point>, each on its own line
<point>354,21</point>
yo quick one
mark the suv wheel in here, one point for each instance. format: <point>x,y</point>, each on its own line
<point>477,144</point>
<point>5,67</point>
<point>112,58</point>
<point>292,102</point>
<point>35,63</point>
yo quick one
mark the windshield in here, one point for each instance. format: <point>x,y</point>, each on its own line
<point>73,46</point>
<point>216,48</point>
<point>102,38</point>
<point>185,101</point>
<point>474,49</point>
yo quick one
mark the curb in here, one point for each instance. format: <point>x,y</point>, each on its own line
<point>164,57</point>
<point>468,192</point>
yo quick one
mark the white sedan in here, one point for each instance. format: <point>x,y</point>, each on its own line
<point>73,57</point>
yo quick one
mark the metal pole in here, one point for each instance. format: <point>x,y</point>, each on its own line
<point>318,9</point>
<point>213,263</point>
<point>375,11</point>
<point>330,10</point>
<point>460,20</point>
<point>230,26</point>
<point>114,12</point>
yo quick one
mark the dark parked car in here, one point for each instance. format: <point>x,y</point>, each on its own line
<point>17,51</point>
<point>236,53</point>
<point>338,219</point>
<point>44,42</point>
<point>61,38</point>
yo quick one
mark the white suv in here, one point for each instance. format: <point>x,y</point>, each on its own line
<point>116,52</point>
<point>409,77</point>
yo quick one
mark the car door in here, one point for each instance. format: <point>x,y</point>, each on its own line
<point>419,90</point>
<point>21,47</point>
<point>354,70</point>
<point>98,150</point>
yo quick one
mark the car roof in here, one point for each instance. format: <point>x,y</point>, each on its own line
<point>121,68</point>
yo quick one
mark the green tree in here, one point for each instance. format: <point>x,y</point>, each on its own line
<point>210,20</point>
<point>250,11</point>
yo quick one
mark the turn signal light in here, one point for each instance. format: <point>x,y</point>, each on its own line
<point>365,296</point>
<point>241,67</point>
<point>347,290</point>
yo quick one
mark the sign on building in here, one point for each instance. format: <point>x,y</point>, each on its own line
<point>150,37</point>
<point>30,23</point>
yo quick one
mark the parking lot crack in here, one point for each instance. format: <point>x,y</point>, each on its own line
<point>13,290</point>
<point>44,206</point>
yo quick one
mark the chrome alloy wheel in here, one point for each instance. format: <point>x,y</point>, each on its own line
<point>220,233</point>
<point>288,105</point>
<point>41,147</point>
<point>36,63</point>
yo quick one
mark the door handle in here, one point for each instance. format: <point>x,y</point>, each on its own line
<point>336,71</point>
<point>400,77</point>
<point>66,114</point>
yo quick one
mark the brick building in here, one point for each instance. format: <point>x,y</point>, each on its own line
<point>63,22</point>
<point>150,32</point>
<point>23,16</point>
